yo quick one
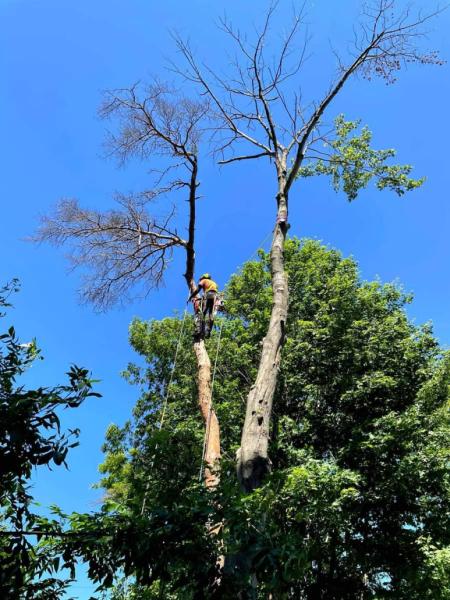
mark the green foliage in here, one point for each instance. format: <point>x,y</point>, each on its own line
<point>30,436</point>
<point>357,502</point>
<point>352,164</point>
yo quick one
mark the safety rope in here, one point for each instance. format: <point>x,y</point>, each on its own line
<point>180,337</point>
<point>208,420</point>
<point>166,399</point>
<point>260,246</point>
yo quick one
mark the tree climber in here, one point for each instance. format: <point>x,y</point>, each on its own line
<point>205,308</point>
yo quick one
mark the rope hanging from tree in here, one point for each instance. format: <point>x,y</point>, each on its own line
<point>180,337</point>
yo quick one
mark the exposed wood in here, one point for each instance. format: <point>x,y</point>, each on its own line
<point>212,431</point>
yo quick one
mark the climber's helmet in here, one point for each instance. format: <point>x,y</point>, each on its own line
<point>205,276</point>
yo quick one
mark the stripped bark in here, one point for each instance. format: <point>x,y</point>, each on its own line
<point>212,430</point>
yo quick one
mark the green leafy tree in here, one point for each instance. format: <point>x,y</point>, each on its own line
<point>30,436</point>
<point>357,503</point>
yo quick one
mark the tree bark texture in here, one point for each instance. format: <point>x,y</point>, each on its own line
<point>253,461</point>
<point>212,431</point>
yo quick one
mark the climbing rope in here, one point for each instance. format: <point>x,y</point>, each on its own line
<point>166,399</point>
<point>208,420</point>
<point>180,337</point>
<point>260,246</point>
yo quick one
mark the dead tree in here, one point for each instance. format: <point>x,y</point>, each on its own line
<point>259,113</point>
<point>125,251</point>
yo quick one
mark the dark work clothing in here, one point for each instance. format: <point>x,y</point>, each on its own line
<point>208,303</point>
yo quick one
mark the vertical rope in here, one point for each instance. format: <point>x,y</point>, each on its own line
<point>173,370</point>
<point>166,398</point>
<point>260,246</point>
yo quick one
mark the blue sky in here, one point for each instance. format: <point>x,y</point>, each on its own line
<point>56,57</point>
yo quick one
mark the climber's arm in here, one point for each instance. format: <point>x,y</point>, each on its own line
<point>194,293</point>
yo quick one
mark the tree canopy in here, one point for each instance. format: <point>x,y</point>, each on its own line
<point>357,502</point>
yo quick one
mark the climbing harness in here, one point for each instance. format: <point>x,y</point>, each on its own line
<point>203,323</point>
<point>208,420</point>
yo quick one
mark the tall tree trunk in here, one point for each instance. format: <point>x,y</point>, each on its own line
<point>212,431</point>
<point>252,460</point>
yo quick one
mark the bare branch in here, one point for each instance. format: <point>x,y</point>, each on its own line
<point>242,101</point>
<point>195,75</point>
<point>389,42</point>
<point>119,248</point>
<point>246,157</point>
<point>153,120</point>
<point>129,247</point>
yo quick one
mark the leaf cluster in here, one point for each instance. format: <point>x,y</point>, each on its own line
<point>351,163</point>
<point>30,436</point>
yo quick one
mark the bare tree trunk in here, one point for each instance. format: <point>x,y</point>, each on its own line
<point>212,439</point>
<point>212,431</point>
<point>190,245</point>
<point>253,461</point>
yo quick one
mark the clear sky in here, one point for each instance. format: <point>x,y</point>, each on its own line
<point>56,57</point>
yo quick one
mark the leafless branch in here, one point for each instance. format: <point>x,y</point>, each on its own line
<point>242,101</point>
<point>118,248</point>
<point>247,102</point>
<point>387,42</point>
<point>128,247</point>
<point>245,157</point>
<point>153,120</point>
